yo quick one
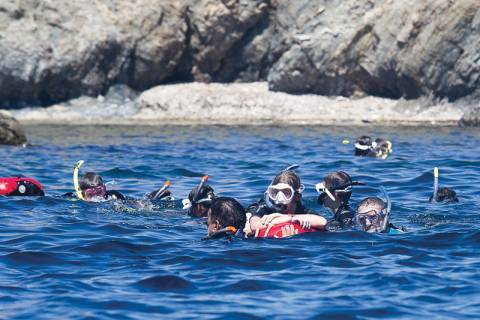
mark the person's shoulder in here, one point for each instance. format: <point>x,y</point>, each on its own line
<point>259,208</point>
<point>115,195</point>
<point>69,195</point>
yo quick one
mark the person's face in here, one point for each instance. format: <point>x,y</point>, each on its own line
<point>97,192</point>
<point>331,204</point>
<point>292,206</point>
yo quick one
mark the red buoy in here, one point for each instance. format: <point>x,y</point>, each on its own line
<point>20,186</point>
<point>276,230</point>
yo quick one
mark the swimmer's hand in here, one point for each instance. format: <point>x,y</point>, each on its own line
<point>303,220</point>
<point>277,217</point>
<point>288,231</point>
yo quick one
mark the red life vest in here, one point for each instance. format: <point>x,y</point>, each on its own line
<point>20,186</point>
<point>276,230</point>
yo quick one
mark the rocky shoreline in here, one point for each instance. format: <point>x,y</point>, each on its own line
<point>341,62</point>
<point>244,104</point>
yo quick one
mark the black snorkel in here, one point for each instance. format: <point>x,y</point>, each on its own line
<point>196,195</point>
<point>161,192</point>
<point>226,232</point>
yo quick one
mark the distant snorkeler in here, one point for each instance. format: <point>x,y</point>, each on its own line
<point>373,215</point>
<point>366,147</point>
<point>443,194</point>
<point>200,199</point>
<point>334,193</point>
<point>281,213</point>
<point>92,188</point>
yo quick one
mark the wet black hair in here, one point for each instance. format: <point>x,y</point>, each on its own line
<point>289,177</point>
<point>228,212</point>
<point>371,201</point>
<point>90,180</point>
<point>205,191</point>
<point>338,180</point>
<point>363,141</point>
<point>446,194</point>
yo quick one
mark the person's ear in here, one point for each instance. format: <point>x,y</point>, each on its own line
<point>216,225</point>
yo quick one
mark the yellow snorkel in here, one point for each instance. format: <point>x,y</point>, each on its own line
<point>75,179</point>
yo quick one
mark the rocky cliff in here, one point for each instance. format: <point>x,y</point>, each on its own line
<point>54,50</point>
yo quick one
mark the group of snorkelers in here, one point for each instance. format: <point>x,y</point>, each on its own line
<point>280,213</point>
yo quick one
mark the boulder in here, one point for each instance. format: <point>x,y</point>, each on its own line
<point>11,132</point>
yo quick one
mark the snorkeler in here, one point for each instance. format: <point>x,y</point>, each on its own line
<point>373,216</point>
<point>20,186</point>
<point>366,147</point>
<point>282,203</point>
<point>443,194</point>
<point>334,193</point>
<point>92,188</point>
<point>199,199</point>
<point>226,217</point>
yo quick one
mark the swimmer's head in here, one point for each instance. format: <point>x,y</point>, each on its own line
<point>335,190</point>
<point>445,195</point>
<point>284,192</point>
<point>371,215</point>
<point>200,202</point>
<point>382,148</point>
<point>92,186</point>
<point>225,212</point>
<point>363,146</point>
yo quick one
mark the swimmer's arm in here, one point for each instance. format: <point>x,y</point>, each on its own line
<point>311,220</point>
<point>306,220</point>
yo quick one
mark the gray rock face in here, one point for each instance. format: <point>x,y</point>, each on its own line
<point>11,132</point>
<point>386,48</point>
<point>53,50</point>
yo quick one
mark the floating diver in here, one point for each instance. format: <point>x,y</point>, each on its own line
<point>199,199</point>
<point>443,194</point>
<point>91,187</point>
<point>334,193</point>
<point>281,212</point>
<point>373,216</point>
<point>228,218</point>
<point>20,186</point>
<point>366,147</point>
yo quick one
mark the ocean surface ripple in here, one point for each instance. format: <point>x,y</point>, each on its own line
<point>70,259</point>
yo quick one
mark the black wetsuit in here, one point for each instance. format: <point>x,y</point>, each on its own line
<point>110,195</point>
<point>261,209</point>
<point>342,219</point>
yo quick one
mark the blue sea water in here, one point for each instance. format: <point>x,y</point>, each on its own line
<point>63,259</point>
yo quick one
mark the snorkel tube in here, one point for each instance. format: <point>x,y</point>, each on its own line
<point>435,185</point>
<point>76,185</point>
<point>386,220</point>
<point>160,192</point>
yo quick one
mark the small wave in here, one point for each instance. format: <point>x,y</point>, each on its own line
<point>165,283</point>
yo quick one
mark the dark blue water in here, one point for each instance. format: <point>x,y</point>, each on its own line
<point>69,259</point>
